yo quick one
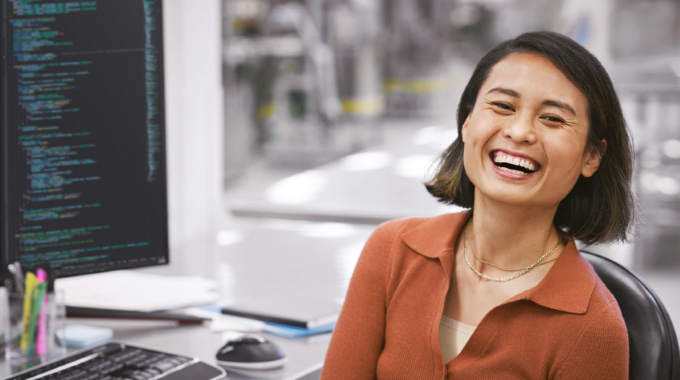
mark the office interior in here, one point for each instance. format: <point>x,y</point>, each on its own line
<point>294,128</point>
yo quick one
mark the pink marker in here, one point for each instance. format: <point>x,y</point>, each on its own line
<point>41,275</point>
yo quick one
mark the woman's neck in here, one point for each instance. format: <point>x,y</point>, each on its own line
<point>510,236</point>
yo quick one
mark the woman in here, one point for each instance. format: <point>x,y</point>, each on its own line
<point>500,292</point>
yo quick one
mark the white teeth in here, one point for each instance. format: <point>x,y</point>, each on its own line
<point>512,171</point>
<point>502,158</point>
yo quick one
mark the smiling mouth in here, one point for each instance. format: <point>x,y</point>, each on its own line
<point>513,164</point>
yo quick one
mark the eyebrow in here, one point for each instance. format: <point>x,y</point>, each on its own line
<point>558,104</point>
<point>552,103</point>
<point>505,91</point>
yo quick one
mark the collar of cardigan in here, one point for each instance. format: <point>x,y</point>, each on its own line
<point>567,286</point>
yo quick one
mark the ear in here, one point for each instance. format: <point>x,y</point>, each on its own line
<point>592,159</point>
<point>463,130</point>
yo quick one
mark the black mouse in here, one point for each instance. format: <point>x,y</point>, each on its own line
<point>250,352</point>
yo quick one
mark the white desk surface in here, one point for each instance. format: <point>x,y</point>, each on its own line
<point>309,259</point>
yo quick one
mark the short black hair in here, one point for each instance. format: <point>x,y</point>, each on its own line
<point>600,208</point>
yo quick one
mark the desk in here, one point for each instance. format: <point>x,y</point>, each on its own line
<point>379,184</point>
<point>260,259</point>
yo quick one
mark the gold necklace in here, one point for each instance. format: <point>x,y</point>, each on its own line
<point>504,269</point>
<point>505,279</point>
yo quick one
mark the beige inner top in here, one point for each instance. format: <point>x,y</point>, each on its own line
<point>453,336</point>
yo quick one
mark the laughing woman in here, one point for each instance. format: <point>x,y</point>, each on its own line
<point>542,158</point>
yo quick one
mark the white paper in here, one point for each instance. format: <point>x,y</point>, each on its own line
<point>128,290</point>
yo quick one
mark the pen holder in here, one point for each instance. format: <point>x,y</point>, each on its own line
<point>31,326</point>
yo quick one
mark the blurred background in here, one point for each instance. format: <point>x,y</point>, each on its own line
<point>330,113</point>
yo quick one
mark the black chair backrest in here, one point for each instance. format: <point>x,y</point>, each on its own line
<point>654,353</point>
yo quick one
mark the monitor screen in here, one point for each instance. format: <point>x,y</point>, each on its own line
<point>82,144</point>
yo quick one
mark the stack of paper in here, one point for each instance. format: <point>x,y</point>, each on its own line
<point>128,290</point>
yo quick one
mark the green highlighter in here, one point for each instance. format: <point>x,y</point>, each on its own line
<point>31,283</point>
<point>36,305</point>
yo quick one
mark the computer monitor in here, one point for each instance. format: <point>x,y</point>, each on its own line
<point>82,143</point>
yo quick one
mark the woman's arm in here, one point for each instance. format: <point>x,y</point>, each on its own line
<point>601,351</point>
<point>359,335</point>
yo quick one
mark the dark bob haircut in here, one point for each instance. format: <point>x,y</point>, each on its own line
<point>598,209</point>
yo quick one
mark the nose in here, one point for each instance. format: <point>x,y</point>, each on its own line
<point>521,131</point>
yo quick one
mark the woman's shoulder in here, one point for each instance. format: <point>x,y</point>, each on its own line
<point>398,227</point>
<point>404,242</point>
<point>602,301</point>
<point>422,227</point>
<point>603,305</point>
<point>600,346</point>
<point>389,234</point>
<point>602,325</point>
<point>425,236</point>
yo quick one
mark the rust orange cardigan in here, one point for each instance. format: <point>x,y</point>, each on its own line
<point>569,326</point>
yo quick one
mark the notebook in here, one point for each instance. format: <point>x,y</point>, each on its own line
<point>295,311</point>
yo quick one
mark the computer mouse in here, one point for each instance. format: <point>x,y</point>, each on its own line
<point>250,351</point>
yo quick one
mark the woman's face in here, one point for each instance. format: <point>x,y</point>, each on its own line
<point>525,140</point>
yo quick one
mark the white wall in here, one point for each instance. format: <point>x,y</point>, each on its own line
<point>194,118</point>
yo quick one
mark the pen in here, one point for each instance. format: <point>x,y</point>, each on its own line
<point>38,295</point>
<point>31,282</point>
<point>42,318</point>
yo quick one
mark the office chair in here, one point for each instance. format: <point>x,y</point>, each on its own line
<point>654,353</point>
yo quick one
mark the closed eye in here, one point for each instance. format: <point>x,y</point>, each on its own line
<point>504,106</point>
<point>553,119</point>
